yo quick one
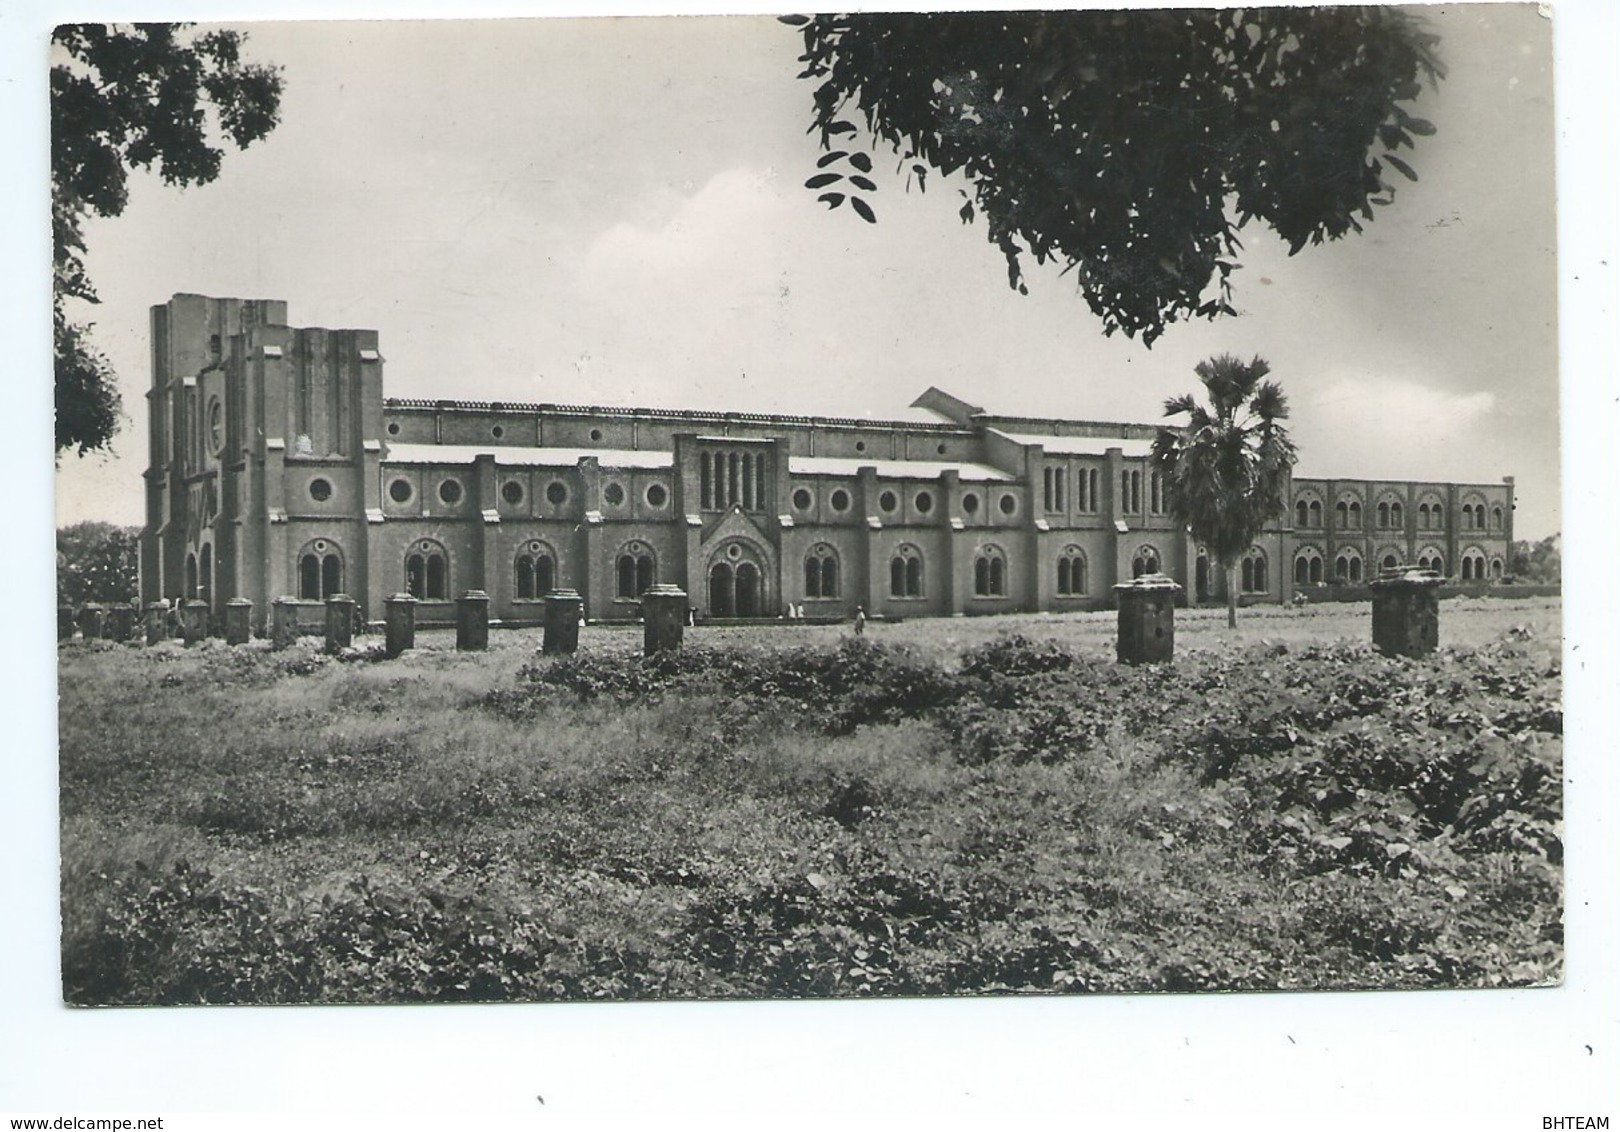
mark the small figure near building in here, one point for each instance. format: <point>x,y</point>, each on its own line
<point>860,620</point>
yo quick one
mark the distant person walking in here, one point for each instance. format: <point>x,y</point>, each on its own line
<point>860,621</point>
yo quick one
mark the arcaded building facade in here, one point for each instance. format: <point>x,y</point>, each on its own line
<point>278,468</point>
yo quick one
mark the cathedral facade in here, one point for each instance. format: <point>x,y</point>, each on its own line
<point>278,468</point>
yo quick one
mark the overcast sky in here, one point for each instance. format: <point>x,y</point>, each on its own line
<point>612,212</point>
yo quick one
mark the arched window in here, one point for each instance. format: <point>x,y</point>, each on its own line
<point>1383,516</point>
<point>1253,570</point>
<point>536,570</point>
<point>1145,561</point>
<point>320,570</point>
<point>1496,568</point>
<point>1347,567</point>
<point>821,572</point>
<point>635,570</point>
<point>1341,512</point>
<point>1071,572</point>
<point>1301,514</point>
<point>990,572</point>
<point>1156,493</point>
<point>1390,562</point>
<point>1316,513</point>
<point>1302,569</point>
<point>1423,516</point>
<point>1395,519</point>
<point>1496,518</point>
<point>906,572</point>
<point>427,571</point>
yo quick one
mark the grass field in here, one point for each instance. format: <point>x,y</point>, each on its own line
<point>945,807</point>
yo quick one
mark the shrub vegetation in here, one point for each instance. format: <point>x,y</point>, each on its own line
<point>837,818</point>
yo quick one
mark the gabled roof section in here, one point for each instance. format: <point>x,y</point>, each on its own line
<point>953,409</point>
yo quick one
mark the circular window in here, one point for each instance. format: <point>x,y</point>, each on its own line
<point>887,501</point>
<point>393,428</point>
<point>802,499</point>
<point>925,502</point>
<point>970,503</point>
<point>497,432</point>
<point>860,446</point>
<point>450,491</point>
<point>512,492</point>
<point>733,552</point>
<point>400,491</point>
<point>614,494</point>
<point>596,434</point>
<point>319,546</point>
<point>556,493</point>
<point>941,450</point>
<point>320,490</point>
<point>657,495</point>
<point>216,426</point>
<point>840,500</point>
<point>1008,504</point>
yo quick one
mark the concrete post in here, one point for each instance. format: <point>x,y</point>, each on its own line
<point>399,623</point>
<point>472,621</point>
<point>64,622</point>
<point>283,622</point>
<point>120,624</point>
<point>339,622</point>
<point>156,617</point>
<point>663,615</point>
<point>1147,619</point>
<point>238,621</point>
<point>1406,611</point>
<point>91,618</point>
<point>193,620</point>
<point>563,609</point>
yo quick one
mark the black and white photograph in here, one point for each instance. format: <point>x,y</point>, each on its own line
<point>869,512</point>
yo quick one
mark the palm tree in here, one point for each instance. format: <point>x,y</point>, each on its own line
<point>1226,470</point>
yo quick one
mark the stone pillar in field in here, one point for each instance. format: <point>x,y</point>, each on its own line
<point>193,620</point>
<point>157,614</point>
<point>563,610</point>
<point>339,622</point>
<point>64,622</point>
<point>120,625</point>
<point>1406,611</point>
<point>472,621</point>
<point>663,616</point>
<point>283,622</point>
<point>399,623</point>
<point>1147,619</point>
<point>91,618</point>
<point>238,621</point>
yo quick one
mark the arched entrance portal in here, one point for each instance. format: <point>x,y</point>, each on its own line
<point>1202,579</point>
<point>737,583</point>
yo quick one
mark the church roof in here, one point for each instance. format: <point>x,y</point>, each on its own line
<point>1081,445</point>
<point>509,455</point>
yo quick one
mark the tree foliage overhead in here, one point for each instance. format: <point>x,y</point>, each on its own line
<point>1131,146</point>
<point>158,97</point>
<point>1227,469</point>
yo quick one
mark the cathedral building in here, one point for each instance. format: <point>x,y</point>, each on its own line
<point>278,468</point>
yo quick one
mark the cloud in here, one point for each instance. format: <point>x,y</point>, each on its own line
<point>1377,426</point>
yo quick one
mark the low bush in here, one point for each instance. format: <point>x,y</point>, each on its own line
<point>851,819</point>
